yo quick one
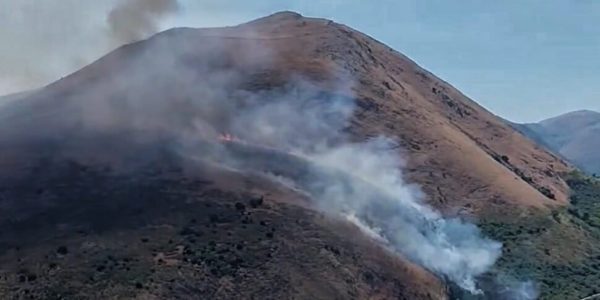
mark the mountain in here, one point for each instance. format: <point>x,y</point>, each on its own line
<point>450,139</point>
<point>288,157</point>
<point>574,135</point>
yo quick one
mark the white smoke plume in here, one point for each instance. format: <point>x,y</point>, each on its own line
<point>446,246</point>
<point>363,181</point>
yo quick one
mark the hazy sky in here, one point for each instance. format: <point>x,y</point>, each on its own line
<point>525,60</point>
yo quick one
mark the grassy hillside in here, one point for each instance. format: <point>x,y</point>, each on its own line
<point>561,250</point>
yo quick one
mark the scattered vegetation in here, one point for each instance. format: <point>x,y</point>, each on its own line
<point>163,235</point>
<point>561,250</point>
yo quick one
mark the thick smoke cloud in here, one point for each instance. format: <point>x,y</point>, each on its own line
<point>183,89</point>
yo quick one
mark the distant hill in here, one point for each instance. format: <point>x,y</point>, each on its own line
<point>575,136</point>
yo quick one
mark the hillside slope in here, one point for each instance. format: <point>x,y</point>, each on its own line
<point>117,120</point>
<point>575,136</point>
<point>81,232</point>
<point>459,152</point>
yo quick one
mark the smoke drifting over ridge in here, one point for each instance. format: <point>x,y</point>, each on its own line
<point>45,40</point>
<point>131,20</point>
<point>291,130</point>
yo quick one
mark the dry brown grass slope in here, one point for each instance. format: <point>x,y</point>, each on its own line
<point>464,156</point>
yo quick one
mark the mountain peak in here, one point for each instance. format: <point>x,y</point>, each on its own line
<point>286,14</point>
<point>278,17</point>
<point>584,113</point>
<point>573,120</point>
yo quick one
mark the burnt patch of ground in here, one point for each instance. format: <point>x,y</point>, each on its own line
<point>69,231</point>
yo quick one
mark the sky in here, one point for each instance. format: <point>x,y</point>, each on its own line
<point>525,60</point>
